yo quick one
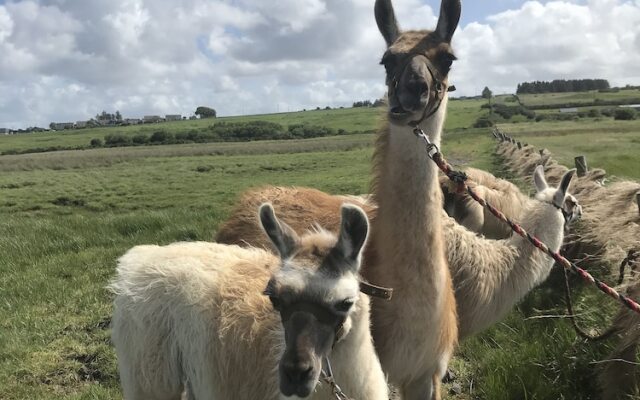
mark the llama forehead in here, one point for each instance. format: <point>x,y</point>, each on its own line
<point>423,42</point>
<point>294,281</point>
<point>546,194</point>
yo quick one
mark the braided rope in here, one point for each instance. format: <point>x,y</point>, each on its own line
<point>460,179</point>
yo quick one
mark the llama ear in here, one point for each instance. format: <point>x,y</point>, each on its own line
<point>354,229</point>
<point>450,11</point>
<point>539,180</point>
<point>561,193</point>
<point>282,236</point>
<point>386,20</point>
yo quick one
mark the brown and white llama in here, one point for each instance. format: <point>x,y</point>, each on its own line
<point>500,193</point>
<point>416,332</point>
<point>236,323</point>
<point>490,276</point>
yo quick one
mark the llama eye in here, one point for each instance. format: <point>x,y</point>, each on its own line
<point>344,305</point>
<point>275,302</point>
<point>447,60</point>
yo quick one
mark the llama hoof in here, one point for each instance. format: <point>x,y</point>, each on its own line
<point>449,376</point>
<point>455,389</point>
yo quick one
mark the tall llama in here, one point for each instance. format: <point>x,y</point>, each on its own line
<point>238,323</point>
<point>502,194</point>
<point>416,332</point>
<point>490,276</point>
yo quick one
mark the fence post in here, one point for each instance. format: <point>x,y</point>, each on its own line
<point>541,152</point>
<point>495,135</point>
<point>545,159</point>
<point>519,145</point>
<point>638,200</point>
<point>581,165</point>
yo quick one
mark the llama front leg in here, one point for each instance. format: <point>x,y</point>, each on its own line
<point>419,389</point>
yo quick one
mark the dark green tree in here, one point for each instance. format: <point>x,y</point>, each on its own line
<point>205,112</point>
<point>487,93</point>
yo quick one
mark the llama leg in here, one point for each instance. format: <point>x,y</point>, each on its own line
<point>419,389</point>
<point>437,382</point>
<point>202,387</point>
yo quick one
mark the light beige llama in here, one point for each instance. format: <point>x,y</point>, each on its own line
<point>235,323</point>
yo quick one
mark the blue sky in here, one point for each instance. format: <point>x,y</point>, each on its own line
<point>479,10</point>
<point>69,60</point>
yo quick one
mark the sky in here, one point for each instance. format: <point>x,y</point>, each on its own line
<point>67,60</point>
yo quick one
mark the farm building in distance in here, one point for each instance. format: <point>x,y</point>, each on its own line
<point>173,117</point>
<point>81,124</point>
<point>4,131</point>
<point>151,119</point>
<point>132,121</point>
<point>59,126</point>
<point>569,110</point>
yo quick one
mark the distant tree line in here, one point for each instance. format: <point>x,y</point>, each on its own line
<point>220,132</point>
<point>562,85</point>
<point>368,103</point>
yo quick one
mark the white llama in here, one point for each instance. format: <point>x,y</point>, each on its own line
<point>236,323</point>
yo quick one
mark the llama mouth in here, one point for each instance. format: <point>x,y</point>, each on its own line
<point>398,112</point>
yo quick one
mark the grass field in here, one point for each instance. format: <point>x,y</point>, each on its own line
<point>612,145</point>
<point>353,120</point>
<point>577,97</point>
<point>66,216</point>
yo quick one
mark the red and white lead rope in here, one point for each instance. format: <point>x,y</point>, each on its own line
<point>460,179</point>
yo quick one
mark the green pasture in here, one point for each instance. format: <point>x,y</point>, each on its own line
<point>578,97</point>
<point>608,144</point>
<point>66,216</point>
<point>352,120</point>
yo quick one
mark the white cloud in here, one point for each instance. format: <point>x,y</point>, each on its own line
<point>555,40</point>
<point>65,60</point>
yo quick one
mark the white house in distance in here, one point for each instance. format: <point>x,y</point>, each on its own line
<point>151,119</point>
<point>59,126</point>
<point>173,117</point>
<point>132,121</point>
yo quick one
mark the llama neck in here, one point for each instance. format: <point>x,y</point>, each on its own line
<point>533,266</point>
<point>408,224</point>
<point>488,291</point>
<point>354,360</point>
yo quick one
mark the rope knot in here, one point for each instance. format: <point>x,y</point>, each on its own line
<point>460,179</point>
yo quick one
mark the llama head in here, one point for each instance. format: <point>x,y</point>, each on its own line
<point>559,197</point>
<point>316,292</point>
<point>417,62</point>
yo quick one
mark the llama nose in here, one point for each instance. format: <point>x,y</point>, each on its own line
<point>418,86</point>
<point>298,374</point>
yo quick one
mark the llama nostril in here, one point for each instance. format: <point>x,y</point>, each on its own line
<point>298,375</point>
<point>306,374</point>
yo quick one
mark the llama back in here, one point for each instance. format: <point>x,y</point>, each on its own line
<point>190,307</point>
